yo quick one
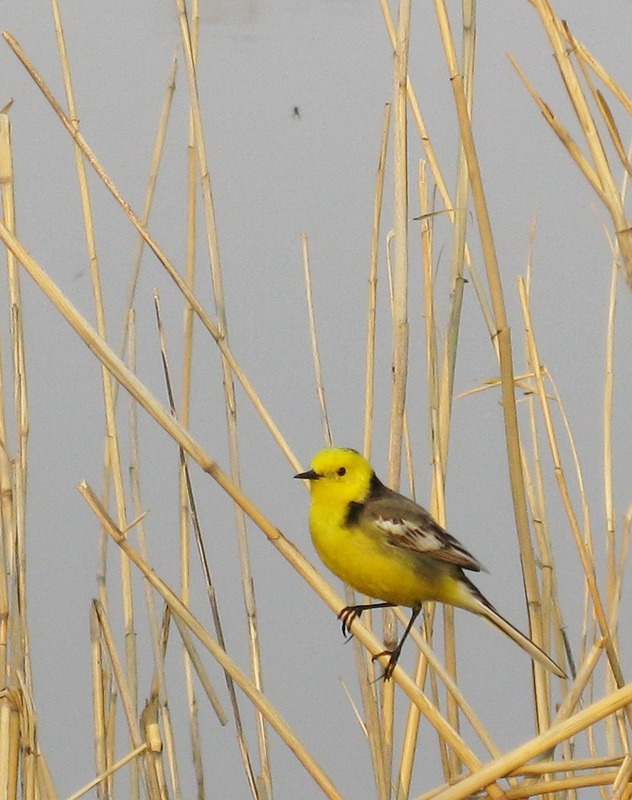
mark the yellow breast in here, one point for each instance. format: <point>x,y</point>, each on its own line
<point>373,567</point>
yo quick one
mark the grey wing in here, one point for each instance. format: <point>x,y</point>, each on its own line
<point>409,526</point>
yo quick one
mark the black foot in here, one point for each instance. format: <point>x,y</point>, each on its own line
<point>346,617</point>
<point>349,613</point>
<point>392,662</point>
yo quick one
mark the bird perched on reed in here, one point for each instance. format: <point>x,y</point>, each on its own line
<point>386,546</point>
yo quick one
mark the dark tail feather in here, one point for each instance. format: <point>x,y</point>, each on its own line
<point>480,605</point>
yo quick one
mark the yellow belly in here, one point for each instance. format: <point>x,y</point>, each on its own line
<point>382,571</point>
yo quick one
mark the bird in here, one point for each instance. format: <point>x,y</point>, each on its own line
<point>388,547</point>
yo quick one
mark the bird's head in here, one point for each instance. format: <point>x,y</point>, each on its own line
<point>338,475</point>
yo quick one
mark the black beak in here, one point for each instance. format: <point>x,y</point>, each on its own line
<point>310,475</point>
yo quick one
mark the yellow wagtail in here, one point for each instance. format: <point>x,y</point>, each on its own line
<point>386,546</point>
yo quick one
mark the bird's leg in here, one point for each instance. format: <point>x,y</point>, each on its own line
<point>395,654</point>
<point>349,613</point>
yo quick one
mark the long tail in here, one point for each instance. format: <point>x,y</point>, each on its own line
<point>480,605</point>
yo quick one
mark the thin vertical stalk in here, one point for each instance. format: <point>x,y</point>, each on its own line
<point>185,404</point>
<point>112,459</point>
<point>98,706</point>
<point>159,682</point>
<point>457,269</point>
<point>318,371</point>
<point>608,398</point>
<point>9,500</point>
<point>457,284</point>
<point>615,561</point>
<point>411,732</point>
<point>154,169</point>
<point>551,621</point>
<point>373,280</point>
<point>400,317</point>
<point>367,687</point>
<point>400,262</point>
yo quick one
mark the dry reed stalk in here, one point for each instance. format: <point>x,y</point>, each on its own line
<point>582,53</point>
<point>10,741</point>
<point>406,446</point>
<point>400,261</point>
<point>535,485</point>
<point>552,622</point>
<point>369,385</point>
<point>99,682</point>
<point>8,499</point>
<point>365,667</point>
<point>191,660</point>
<point>435,420</point>
<point>158,641</point>
<point>318,370</point>
<point>616,559</point>
<point>569,784</point>
<point>14,637</point>
<point>111,650</point>
<point>411,731</point>
<point>549,610</point>
<point>35,776</point>
<point>18,731</point>
<point>622,782</point>
<point>122,762</point>
<point>112,460</point>
<point>553,397</point>
<point>574,764</point>
<point>558,33</point>
<point>457,267</point>
<point>200,670</point>
<point>608,402</point>
<point>154,169</point>
<point>613,574</point>
<point>399,365</point>
<point>153,754</point>
<point>451,341</point>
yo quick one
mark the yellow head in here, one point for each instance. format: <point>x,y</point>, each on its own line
<point>338,476</point>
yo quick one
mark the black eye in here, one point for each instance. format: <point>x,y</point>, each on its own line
<point>342,471</point>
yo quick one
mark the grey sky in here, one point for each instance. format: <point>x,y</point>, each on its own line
<point>274,177</point>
